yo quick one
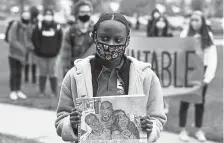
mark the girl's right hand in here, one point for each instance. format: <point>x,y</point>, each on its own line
<point>75,117</point>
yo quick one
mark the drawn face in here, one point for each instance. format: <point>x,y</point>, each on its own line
<point>106,111</point>
<point>94,123</point>
<point>122,120</point>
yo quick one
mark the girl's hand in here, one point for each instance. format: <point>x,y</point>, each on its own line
<point>75,117</point>
<point>146,124</point>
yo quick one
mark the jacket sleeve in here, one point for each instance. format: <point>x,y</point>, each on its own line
<point>13,38</point>
<point>36,38</point>
<point>66,51</point>
<point>155,106</point>
<point>65,105</point>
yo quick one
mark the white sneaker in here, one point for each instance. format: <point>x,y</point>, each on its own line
<point>21,95</point>
<point>200,135</point>
<point>13,95</point>
<point>184,136</point>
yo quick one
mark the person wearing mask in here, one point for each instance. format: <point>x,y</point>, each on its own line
<point>19,44</point>
<point>154,15</point>
<point>109,72</point>
<point>47,38</point>
<point>77,40</point>
<point>160,27</point>
<point>30,57</point>
<point>198,28</point>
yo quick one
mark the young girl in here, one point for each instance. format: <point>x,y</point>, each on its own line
<point>198,29</point>
<point>110,72</point>
<point>154,15</point>
<point>161,27</point>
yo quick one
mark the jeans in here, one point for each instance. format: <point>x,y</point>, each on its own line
<point>15,74</point>
<point>199,111</point>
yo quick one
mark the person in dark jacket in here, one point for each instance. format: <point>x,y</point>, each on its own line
<point>47,38</point>
<point>19,44</point>
<point>77,38</point>
<point>160,28</point>
<point>30,57</point>
<point>154,15</point>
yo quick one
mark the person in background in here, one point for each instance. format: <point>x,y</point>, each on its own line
<point>154,15</point>
<point>19,44</point>
<point>198,28</point>
<point>47,39</point>
<point>77,39</point>
<point>30,57</point>
<point>160,27</point>
<point>109,72</point>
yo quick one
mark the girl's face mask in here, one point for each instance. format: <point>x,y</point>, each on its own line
<point>25,15</point>
<point>111,40</point>
<point>48,18</point>
<point>156,15</point>
<point>109,52</point>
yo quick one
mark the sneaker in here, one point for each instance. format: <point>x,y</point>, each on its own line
<point>21,95</point>
<point>200,135</point>
<point>184,136</point>
<point>13,95</point>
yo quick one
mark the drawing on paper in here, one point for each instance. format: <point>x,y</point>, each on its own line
<point>113,119</point>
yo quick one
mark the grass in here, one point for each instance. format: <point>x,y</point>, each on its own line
<point>213,118</point>
<point>13,139</point>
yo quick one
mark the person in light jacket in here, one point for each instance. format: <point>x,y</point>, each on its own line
<point>198,28</point>
<point>19,44</point>
<point>110,72</point>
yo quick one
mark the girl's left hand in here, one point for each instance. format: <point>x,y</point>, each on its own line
<point>146,124</point>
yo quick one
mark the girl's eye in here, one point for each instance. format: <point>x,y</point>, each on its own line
<point>104,38</point>
<point>118,40</point>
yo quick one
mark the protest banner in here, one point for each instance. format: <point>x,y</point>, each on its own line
<point>178,62</point>
<point>112,119</point>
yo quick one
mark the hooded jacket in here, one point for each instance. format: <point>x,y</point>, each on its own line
<point>78,82</point>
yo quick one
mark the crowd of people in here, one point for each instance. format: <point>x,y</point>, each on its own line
<point>36,44</point>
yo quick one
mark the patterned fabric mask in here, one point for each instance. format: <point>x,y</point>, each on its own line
<point>109,52</point>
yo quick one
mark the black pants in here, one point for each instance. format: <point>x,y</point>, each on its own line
<point>15,74</point>
<point>199,110</point>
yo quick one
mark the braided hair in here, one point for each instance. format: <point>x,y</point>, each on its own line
<point>112,16</point>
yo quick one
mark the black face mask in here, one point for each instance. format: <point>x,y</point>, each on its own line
<point>24,21</point>
<point>84,18</point>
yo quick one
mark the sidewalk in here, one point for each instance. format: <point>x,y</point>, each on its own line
<point>38,124</point>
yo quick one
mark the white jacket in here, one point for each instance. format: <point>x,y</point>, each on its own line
<point>78,82</point>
